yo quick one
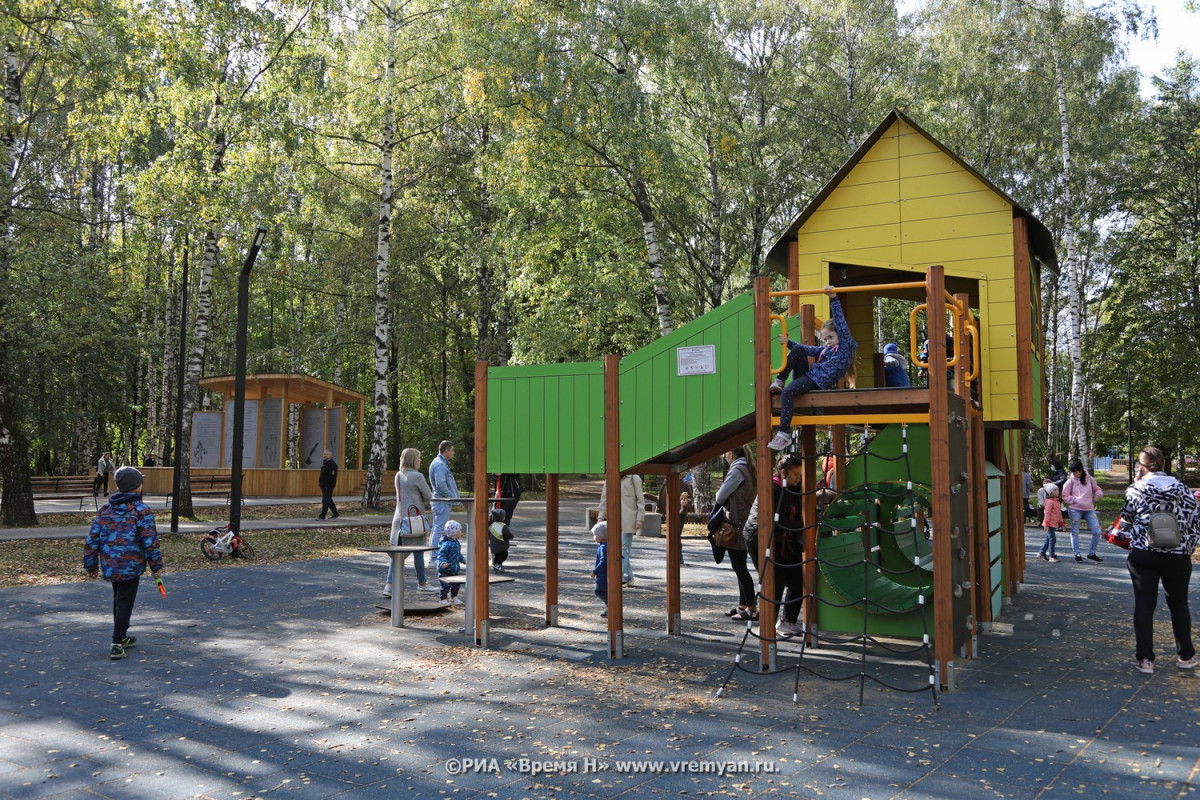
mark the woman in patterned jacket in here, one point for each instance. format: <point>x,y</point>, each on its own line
<point>1157,493</point>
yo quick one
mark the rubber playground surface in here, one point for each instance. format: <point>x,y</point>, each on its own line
<point>282,680</point>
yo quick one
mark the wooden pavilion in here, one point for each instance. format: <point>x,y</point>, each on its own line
<point>269,398</point>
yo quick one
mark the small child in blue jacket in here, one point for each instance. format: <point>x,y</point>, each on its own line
<point>600,571</point>
<point>834,359</point>
<point>449,561</point>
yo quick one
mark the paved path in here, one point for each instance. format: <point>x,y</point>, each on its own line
<point>281,680</point>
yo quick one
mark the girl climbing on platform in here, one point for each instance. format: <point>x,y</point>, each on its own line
<point>835,357</point>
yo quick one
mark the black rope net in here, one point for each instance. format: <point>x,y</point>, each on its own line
<point>874,547</point>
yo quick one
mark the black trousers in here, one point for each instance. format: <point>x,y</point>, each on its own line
<point>124,594</point>
<point>327,501</point>
<point>737,562</point>
<point>792,579</point>
<point>101,482</point>
<point>1147,568</point>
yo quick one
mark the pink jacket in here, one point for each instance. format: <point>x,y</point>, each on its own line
<point>1052,518</point>
<point>1081,496</point>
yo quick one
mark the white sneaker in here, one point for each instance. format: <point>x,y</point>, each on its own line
<point>454,601</point>
<point>387,591</point>
<point>444,603</point>
<point>781,441</point>
<point>1189,664</point>
<point>788,629</point>
<point>776,386</point>
<point>429,587</point>
<point>1145,666</point>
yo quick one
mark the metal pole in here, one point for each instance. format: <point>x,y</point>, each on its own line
<point>239,381</point>
<point>179,378</point>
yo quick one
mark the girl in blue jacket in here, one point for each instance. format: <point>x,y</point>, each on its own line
<point>835,356</point>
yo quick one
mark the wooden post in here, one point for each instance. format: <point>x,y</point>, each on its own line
<point>361,408</point>
<point>793,279</point>
<point>285,415</point>
<point>479,532</point>
<point>939,469</point>
<point>980,551</point>
<point>673,528</point>
<point>552,550</point>
<point>809,480</point>
<point>762,434</point>
<point>612,482</point>
<point>1023,290</point>
<point>1013,517</point>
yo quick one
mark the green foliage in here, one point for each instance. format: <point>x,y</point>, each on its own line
<point>526,132</point>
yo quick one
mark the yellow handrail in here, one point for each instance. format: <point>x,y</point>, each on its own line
<point>784,329</point>
<point>841,289</point>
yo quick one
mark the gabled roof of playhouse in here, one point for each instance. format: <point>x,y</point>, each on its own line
<point>1041,241</point>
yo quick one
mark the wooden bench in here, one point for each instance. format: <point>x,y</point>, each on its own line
<point>62,487</point>
<point>214,485</point>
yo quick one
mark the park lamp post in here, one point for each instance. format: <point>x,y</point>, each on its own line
<point>239,381</point>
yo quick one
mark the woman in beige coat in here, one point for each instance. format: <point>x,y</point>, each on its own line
<point>633,512</point>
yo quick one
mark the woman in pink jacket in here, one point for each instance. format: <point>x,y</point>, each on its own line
<point>1080,494</point>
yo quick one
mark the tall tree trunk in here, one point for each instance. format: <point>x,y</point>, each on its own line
<point>163,448</point>
<point>16,506</point>
<point>658,280</point>
<point>716,277</point>
<point>195,365</point>
<point>383,316</point>
<point>1072,271</point>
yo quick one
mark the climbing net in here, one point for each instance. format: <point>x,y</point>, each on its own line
<point>874,547</point>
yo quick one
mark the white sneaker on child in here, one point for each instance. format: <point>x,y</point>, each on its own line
<point>454,601</point>
<point>776,386</point>
<point>781,441</point>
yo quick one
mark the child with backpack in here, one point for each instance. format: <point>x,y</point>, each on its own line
<point>122,542</point>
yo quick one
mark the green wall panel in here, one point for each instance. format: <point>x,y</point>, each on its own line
<point>546,418</point>
<point>661,409</point>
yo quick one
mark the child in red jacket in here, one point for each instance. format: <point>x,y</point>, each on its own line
<point>1052,521</point>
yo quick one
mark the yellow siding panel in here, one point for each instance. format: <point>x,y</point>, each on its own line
<point>871,172</point>
<point>957,249</point>
<point>1000,314</point>
<point>863,195</point>
<point>840,219</point>
<point>885,255</point>
<point>960,182</point>
<point>849,239</point>
<point>886,149</point>
<point>1003,291</point>
<point>913,143</point>
<point>960,227</point>
<point>953,205</point>
<point>1003,359</point>
<point>933,164</point>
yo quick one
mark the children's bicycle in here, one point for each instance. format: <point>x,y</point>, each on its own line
<point>221,541</point>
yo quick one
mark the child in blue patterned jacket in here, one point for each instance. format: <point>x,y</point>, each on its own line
<point>834,357</point>
<point>449,560</point>
<point>123,540</point>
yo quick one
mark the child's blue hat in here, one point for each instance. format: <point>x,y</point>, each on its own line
<point>891,347</point>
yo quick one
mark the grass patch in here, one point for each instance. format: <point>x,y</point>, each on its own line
<point>40,562</point>
<point>215,514</point>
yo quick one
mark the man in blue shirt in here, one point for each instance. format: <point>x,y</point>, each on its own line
<point>441,480</point>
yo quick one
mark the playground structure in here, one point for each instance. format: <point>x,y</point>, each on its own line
<point>904,218</point>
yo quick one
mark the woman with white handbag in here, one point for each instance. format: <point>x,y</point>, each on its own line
<point>409,524</point>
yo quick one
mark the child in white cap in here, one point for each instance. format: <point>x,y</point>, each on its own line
<point>449,561</point>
